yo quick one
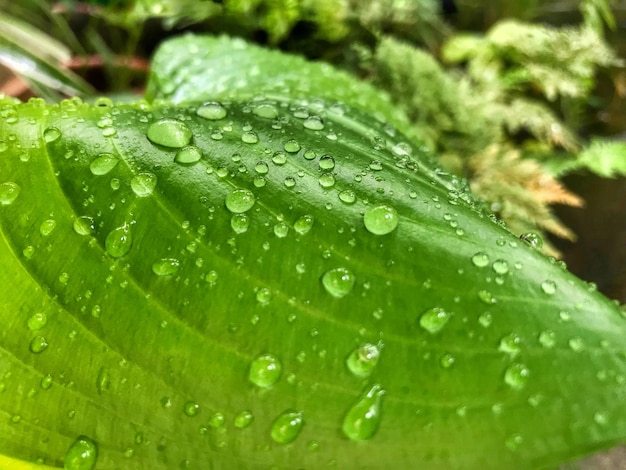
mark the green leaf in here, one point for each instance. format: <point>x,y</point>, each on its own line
<point>605,158</point>
<point>219,285</point>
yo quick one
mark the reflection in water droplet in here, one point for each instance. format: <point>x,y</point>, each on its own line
<point>362,360</point>
<point>169,133</point>
<point>326,163</point>
<point>119,241</point>
<point>188,155</point>
<point>533,239</point>
<point>516,376</point>
<point>51,134</point>
<point>381,220</point>
<point>82,455</point>
<point>338,282</point>
<point>8,193</point>
<point>434,320</point>
<point>240,200</point>
<point>287,426</point>
<point>265,370</point>
<point>291,146</point>
<point>240,223</point>
<point>166,267</point>
<point>363,418</point>
<point>212,110</point>
<point>327,180</point>
<point>103,164</point>
<point>143,184</point>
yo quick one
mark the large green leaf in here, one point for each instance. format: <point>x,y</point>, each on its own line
<point>250,301</point>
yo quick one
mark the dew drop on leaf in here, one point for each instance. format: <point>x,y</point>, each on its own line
<point>143,184</point>
<point>327,180</point>
<point>211,110</point>
<point>8,193</point>
<point>533,239</point>
<point>313,123</point>
<point>576,344</point>
<point>263,295</point>
<point>249,137</point>
<point>191,408</point>
<point>514,442</point>
<point>287,426</point>
<point>103,164</point>
<point>47,227</point>
<point>46,382</point>
<point>37,321</point>
<point>265,370</point>
<point>240,223</point>
<point>304,224</point>
<point>547,338</point>
<point>486,297</point>
<point>119,241</point>
<point>217,420</point>
<point>291,146</point>
<point>261,168</point>
<point>266,111</point>
<point>434,320</point>
<point>480,259</point>
<point>243,419</point>
<point>347,196</point>
<point>363,417</point>
<point>38,345</point>
<point>279,158</point>
<point>82,455</point>
<point>510,344</point>
<point>446,361</point>
<point>381,220</point>
<point>166,267</point>
<point>51,134</point>
<point>338,282</point>
<point>239,201</point>
<point>500,266</point>
<point>169,132</point>
<point>362,360</point>
<point>103,380</point>
<point>326,163</point>
<point>188,155</point>
<point>548,287</point>
<point>485,319</point>
<point>309,154</point>
<point>84,225</point>
<point>516,376</point>
<point>281,229</point>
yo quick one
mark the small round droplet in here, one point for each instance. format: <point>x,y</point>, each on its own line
<point>304,224</point>
<point>103,164</point>
<point>313,123</point>
<point>46,382</point>
<point>84,225</point>
<point>166,267</point>
<point>281,229</point>
<point>169,133</point>
<point>338,282</point>
<point>266,111</point>
<point>516,376</point>
<point>500,266</point>
<point>51,134</point>
<point>287,426</point>
<point>376,165</point>
<point>434,320</point>
<point>37,321</point>
<point>487,297</point>
<point>363,418</point>
<point>547,338</point>
<point>217,420</point>
<point>576,344</point>
<point>143,184</point>
<point>243,419</point>
<point>362,360</point>
<point>347,196</point>
<point>548,287</point>
<point>240,200</point>
<point>240,223</point>
<point>191,408</point>
<point>212,110</point>
<point>510,344</point>
<point>188,155</point>
<point>8,193</point>
<point>119,241</point>
<point>279,158</point>
<point>265,370</point>
<point>291,146</point>
<point>381,220</point>
<point>82,455</point>
<point>446,361</point>
<point>327,180</point>
<point>249,137</point>
<point>326,163</point>
<point>480,259</point>
<point>47,227</point>
<point>38,345</point>
<point>533,239</point>
<point>485,319</point>
<point>261,168</point>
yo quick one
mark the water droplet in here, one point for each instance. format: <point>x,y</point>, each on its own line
<point>514,441</point>
<point>188,155</point>
<point>249,137</point>
<point>51,134</point>
<point>486,297</point>
<point>533,239</point>
<point>281,229</point>
<point>169,133</point>
<point>362,360</point>
<point>3,146</point>
<point>480,259</point>
<point>547,338</point>
<point>304,224</point>
<point>500,266</point>
<point>82,455</point>
<point>8,193</point>
<point>381,220</point>
<point>327,180</point>
<point>363,418</point>
<point>143,184</point>
<point>446,361</point>
<point>103,164</point>
<point>217,420</point>
<point>313,123</point>
<point>119,241</point>
<point>338,282</point>
<point>287,426</point>
<point>309,154</point>
<point>166,267</point>
<point>434,320</point>
<point>191,408</point>
<point>37,321</point>
<point>263,295</point>
<point>240,223</point>
<point>290,182</point>
<point>510,344</point>
<point>212,110</point>
<point>347,196</point>
<point>240,200</point>
<point>38,344</point>
<point>576,344</point>
<point>291,146</point>
<point>265,370</point>
<point>485,319</point>
<point>46,382</point>
<point>327,162</point>
<point>549,287</point>
<point>261,168</point>
<point>243,419</point>
<point>376,165</point>
<point>84,225</point>
<point>279,158</point>
<point>103,381</point>
<point>47,226</point>
<point>265,110</point>
<point>516,376</point>
<point>601,418</point>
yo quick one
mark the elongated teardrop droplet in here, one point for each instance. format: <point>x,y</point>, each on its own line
<point>287,426</point>
<point>363,418</point>
<point>119,241</point>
